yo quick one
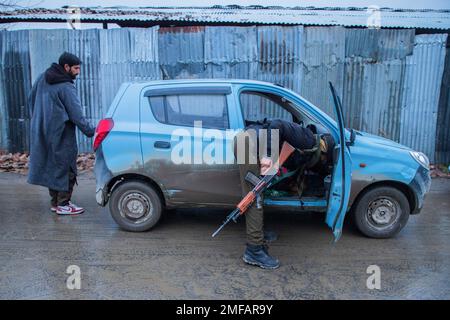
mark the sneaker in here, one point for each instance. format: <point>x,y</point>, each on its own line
<point>73,205</point>
<point>69,210</point>
<point>54,208</point>
<point>258,256</point>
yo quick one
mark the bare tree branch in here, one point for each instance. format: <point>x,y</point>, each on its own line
<point>14,4</point>
<point>7,4</point>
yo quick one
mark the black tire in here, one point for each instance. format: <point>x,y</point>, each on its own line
<point>137,196</point>
<point>381,212</point>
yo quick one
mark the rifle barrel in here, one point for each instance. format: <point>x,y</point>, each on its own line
<point>228,219</point>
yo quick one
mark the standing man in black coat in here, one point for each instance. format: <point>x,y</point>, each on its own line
<point>55,110</point>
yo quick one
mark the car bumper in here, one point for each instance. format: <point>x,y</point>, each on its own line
<point>102,176</point>
<point>420,185</point>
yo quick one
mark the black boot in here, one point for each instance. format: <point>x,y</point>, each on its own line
<point>257,255</point>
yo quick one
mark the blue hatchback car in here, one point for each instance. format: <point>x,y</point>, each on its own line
<point>152,155</point>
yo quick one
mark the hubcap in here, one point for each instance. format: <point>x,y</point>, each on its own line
<point>135,206</point>
<point>383,212</point>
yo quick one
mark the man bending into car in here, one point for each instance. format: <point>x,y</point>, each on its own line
<point>299,137</point>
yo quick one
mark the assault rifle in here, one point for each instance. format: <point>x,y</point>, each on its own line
<point>260,187</point>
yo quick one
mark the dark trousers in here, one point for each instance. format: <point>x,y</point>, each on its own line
<point>254,217</point>
<point>62,198</point>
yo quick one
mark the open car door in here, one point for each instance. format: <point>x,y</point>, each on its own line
<point>341,179</point>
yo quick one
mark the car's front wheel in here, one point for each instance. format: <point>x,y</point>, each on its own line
<point>135,206</point>
<point>382,212</point>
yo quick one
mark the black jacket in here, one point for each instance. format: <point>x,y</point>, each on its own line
<point>296,135</point>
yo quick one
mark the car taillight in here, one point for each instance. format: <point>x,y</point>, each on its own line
<point>103,128</point>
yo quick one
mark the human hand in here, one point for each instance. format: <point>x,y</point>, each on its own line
<point>265,164</point>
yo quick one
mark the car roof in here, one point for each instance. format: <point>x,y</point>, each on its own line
<point>192,81</point>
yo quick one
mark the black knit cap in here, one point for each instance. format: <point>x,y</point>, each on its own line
<point>70,59</point>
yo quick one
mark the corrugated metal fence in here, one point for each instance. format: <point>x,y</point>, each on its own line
<point>391,81</point>
<point>443,124</point>
<point>109,57</point>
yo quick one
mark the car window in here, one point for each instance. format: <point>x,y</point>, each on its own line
<point>184,109</point>
<point>258,105</point>
<point>157,105</point>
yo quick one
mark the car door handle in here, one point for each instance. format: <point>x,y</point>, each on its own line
<point>162,144</point>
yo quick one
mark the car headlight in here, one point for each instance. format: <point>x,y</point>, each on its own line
<point>421,158</point>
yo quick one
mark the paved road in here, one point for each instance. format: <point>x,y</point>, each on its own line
<point>179,260</point>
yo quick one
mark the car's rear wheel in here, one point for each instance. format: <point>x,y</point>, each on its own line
<point>135,206</point>
<point>382,212</point>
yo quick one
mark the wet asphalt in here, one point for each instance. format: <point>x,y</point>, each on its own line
<point>178,259</point>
